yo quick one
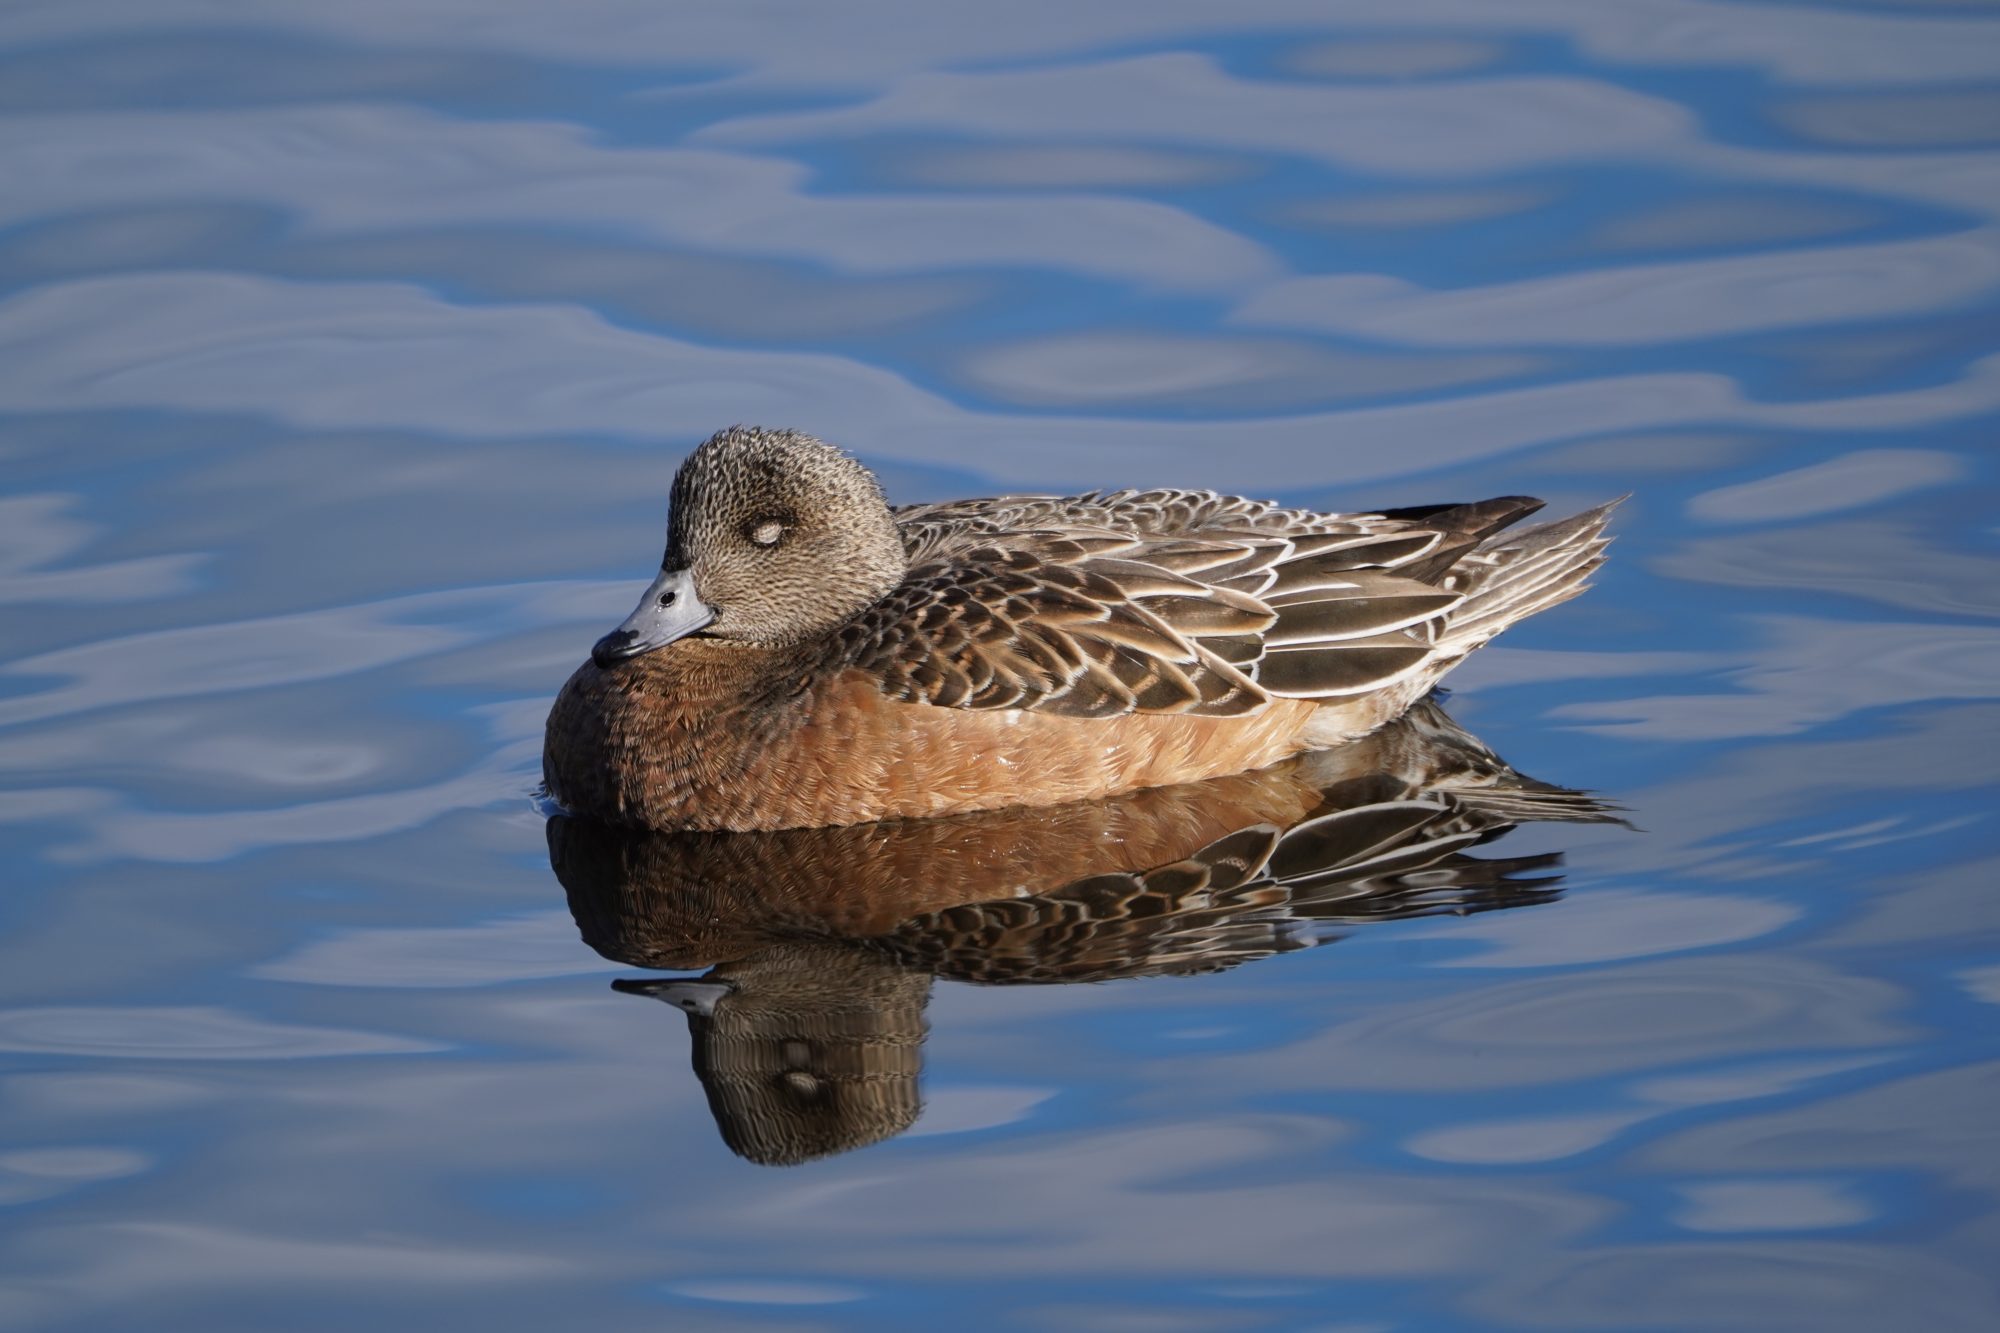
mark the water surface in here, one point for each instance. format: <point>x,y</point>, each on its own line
<point>346,354</point>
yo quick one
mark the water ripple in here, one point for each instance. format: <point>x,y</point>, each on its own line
<point>384,355</point>
<point>346,354</point>
<point>184,1033</point>
<point>822,49</point>
<point>1648,303</point>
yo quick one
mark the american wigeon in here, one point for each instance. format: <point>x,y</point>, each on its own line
<point>811,656</point>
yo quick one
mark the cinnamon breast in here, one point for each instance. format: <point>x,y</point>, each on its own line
<point>723,736</point>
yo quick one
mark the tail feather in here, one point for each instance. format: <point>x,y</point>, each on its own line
<point>1479,519</point>
<point>1464,527</point>
<point>1511,576</point>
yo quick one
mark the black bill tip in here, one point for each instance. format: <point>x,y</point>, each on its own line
<point>614,648</point>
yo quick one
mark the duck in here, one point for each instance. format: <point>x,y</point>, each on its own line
<point>811,656</point>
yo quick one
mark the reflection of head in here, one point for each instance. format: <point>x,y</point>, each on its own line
<point>807,1049</point>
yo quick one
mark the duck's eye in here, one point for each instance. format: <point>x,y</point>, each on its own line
<point>768,532</point>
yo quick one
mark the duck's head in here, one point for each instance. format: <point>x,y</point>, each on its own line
<point>773,537</point>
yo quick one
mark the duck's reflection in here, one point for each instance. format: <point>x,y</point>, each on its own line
<point>822,943</point>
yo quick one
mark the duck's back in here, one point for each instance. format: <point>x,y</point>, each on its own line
<point>959,525</point>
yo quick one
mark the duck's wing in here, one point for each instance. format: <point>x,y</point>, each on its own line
<point>1163,601</point>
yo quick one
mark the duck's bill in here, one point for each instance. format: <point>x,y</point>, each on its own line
<point>667,612</point>
<point>692,996</point>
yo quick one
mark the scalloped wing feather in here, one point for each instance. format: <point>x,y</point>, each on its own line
<point>1152,601</point>
<point>1170,601</point>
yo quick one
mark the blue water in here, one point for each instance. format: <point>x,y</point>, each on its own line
<point>347,352</point>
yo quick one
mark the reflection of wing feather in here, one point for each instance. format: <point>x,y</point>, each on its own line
<point>1251,893</point>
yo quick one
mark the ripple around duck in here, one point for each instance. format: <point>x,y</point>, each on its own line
<point>1647,304</point>
<point>1888,560</point>
<point>290,649</point>
<point>1613,1020</point>
<point>301,353</point>
<point>40,1173</point>
<point>347,169</point>
<point>1800,1285</point>
<point>183,1033</point>
<point>1614,924</point>
<point>1792,43</point>
<point>1850,481</point>
<point>1809,672</point>
<point>1446,129</point>
<point>542,944</point>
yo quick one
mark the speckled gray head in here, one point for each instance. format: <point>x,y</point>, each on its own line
<point>773,537</point>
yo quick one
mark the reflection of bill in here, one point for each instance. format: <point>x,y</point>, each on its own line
<point>822,943</point>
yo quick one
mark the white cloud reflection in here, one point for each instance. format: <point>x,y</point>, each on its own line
<point>1770,1205</point>
<point>516,948</point>
<point>390,355</point>
<point>1521,1142</point>
<point>1782,1285</point>
<point>862,43</point>
<point>1616,923</point>
<point>1982,983</point>
<point>1147,371</point>
<point>1808,672</point>
<point>1426,129</point>
<point>144,1260</point>
<point>1644,304</point>
<point>40,1173</point>
<point>267,653</point>
<point>357,168</point>
<point>184,1032</point>
<point>1898,561</point>
<point>37,531</point>
<point>1617,1019</point>
<point>1850,481</point>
